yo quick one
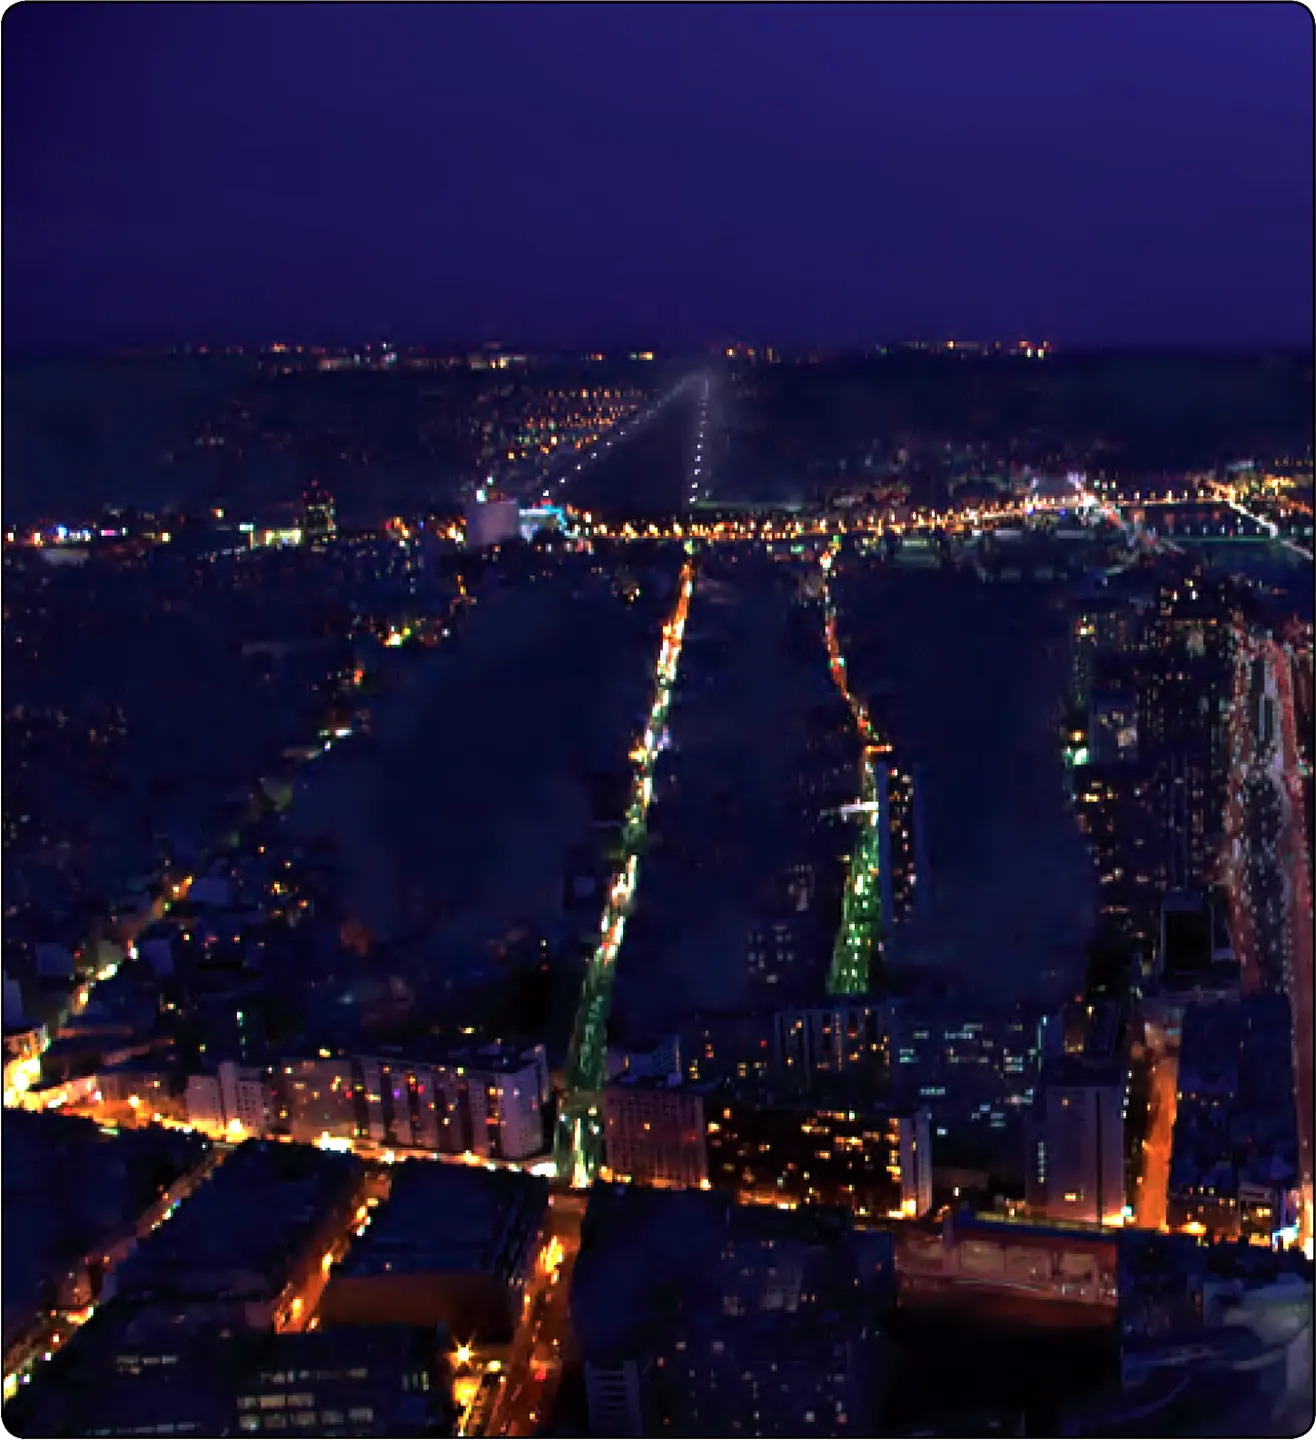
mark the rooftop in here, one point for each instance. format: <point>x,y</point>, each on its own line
<point>476,1054</point>
<point>70,1188</point>
<point>133,1371</point>
<point>445,1219</point>
<point>1004,1228</point>
<point>639,1080</point>
<point>250,1218</point>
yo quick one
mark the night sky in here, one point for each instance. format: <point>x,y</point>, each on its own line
<point>664,174</point>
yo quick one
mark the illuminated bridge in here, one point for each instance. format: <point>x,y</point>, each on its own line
<point>1224,521</point>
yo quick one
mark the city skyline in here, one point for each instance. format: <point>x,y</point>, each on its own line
<point>661,732</point>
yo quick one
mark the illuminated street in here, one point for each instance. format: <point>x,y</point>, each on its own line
<point>579,1141</point>
<point>1268,865</point>
<point>1295,849</point>
<point>1153,1179</point>
<point>542,1344</point>
<point>859,939</point>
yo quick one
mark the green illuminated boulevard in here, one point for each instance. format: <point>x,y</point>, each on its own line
<point>859,937</point>
<point>578,1143</point>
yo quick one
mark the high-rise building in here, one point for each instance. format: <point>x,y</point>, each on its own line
<point>319,514</point>
<point>784,950</point>
<point>1183,699</point>
<point>1113,729</point>
<point>1189,817</point>
<point>902,852</point>
<point>1185,953</point>
<point>1076,1142</point>
<point>975,1069</point>
<point>1102,627</point>
<point>809,1042</point>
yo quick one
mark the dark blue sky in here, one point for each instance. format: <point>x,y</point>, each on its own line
<point>806,173</point>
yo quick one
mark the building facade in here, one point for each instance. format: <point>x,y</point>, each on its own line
<point>489,1100</point>
<point>654,1131</point>
<point>1076,1143</point>
<point>874,1162</point>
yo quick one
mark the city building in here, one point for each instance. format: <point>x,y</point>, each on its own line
<point>1103,625</point>
<point>1075,1142</point>
<point>246,1097</point>
<point>146,1085</point>
<point>1184,685</point>
<point>128,1372</point>
<point>454,1245</point>
<point>696,1316</point>
<point>353,1380</point>
<point>13,1008</point>
<point>773,1374</point>
<point>491,520</point>
<point>980,1261</point>
<point>1115,810</point>
<point>235,1098</point>
<point>1233,1163</point>
<point>319,514</point>
<point>76,1198</point>
<point>537,519</point>
<point>975,1069</point>
<point>315,1098</point>
<point>873,1161</point>
<point>203,1102</point>
<point>135,1371</point>
<point>781,951</point>
<point>1188,810</point>
<point>619,1396</point>
<point>640,1056</point>
<point>243,1248</point>
<point>1195,953</point>
<point>1113,729</point>
<point>654,1130</point>
<point>727,1045</point>
<point>488,1099</point>
<point>903,865</point>
<point>843,1037</point>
